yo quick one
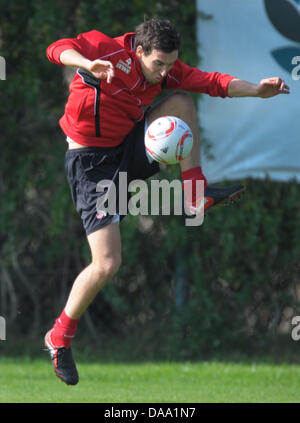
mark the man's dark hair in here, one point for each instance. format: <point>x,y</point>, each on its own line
<point>157,34</point>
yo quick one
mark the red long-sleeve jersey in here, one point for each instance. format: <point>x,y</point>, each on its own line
<point>102,114</point>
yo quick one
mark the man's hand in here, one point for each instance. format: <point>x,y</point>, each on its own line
<point>272,86</point>
<point>268,87</point>
<point>101,69</point>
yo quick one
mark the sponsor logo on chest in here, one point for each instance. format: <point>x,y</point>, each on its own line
<point>124,66</point>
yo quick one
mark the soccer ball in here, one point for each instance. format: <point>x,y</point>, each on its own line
<point>168,140</point>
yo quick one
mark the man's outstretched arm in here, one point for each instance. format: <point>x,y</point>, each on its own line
<point>267,88</point>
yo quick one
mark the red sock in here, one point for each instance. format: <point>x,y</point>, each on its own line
<point>195,174</point>
<point>64,330</point>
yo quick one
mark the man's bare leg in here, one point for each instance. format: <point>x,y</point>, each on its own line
<point>105,245</point>
<point>180,105</point>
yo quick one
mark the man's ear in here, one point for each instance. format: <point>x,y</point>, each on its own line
<point>139,51</point>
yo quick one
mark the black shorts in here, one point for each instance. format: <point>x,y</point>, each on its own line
<point>87,167</point>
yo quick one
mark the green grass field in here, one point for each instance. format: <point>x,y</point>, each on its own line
<point>25,380</point>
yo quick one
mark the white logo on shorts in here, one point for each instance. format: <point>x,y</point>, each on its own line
<point>100,214</point>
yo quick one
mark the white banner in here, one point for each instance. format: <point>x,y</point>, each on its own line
<point>251,40</point>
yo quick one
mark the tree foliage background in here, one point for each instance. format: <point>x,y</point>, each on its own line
<point>229,285</point>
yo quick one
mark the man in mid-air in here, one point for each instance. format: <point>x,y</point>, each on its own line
<point>105,119</point>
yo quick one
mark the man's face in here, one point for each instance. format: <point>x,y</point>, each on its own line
<point>157,64</point>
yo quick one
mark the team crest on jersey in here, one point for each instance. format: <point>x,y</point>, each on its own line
<point>124,66</point>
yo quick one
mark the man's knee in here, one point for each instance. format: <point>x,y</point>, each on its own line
<point>182,101</point>
<point>178,104</point>
<point>106,267</point>
<point>105,246</point>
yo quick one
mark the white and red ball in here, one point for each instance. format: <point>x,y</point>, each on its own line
<point>168,140</point>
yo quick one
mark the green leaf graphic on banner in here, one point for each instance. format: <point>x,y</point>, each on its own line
<point>284,56</point>
<point>285,17</point>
